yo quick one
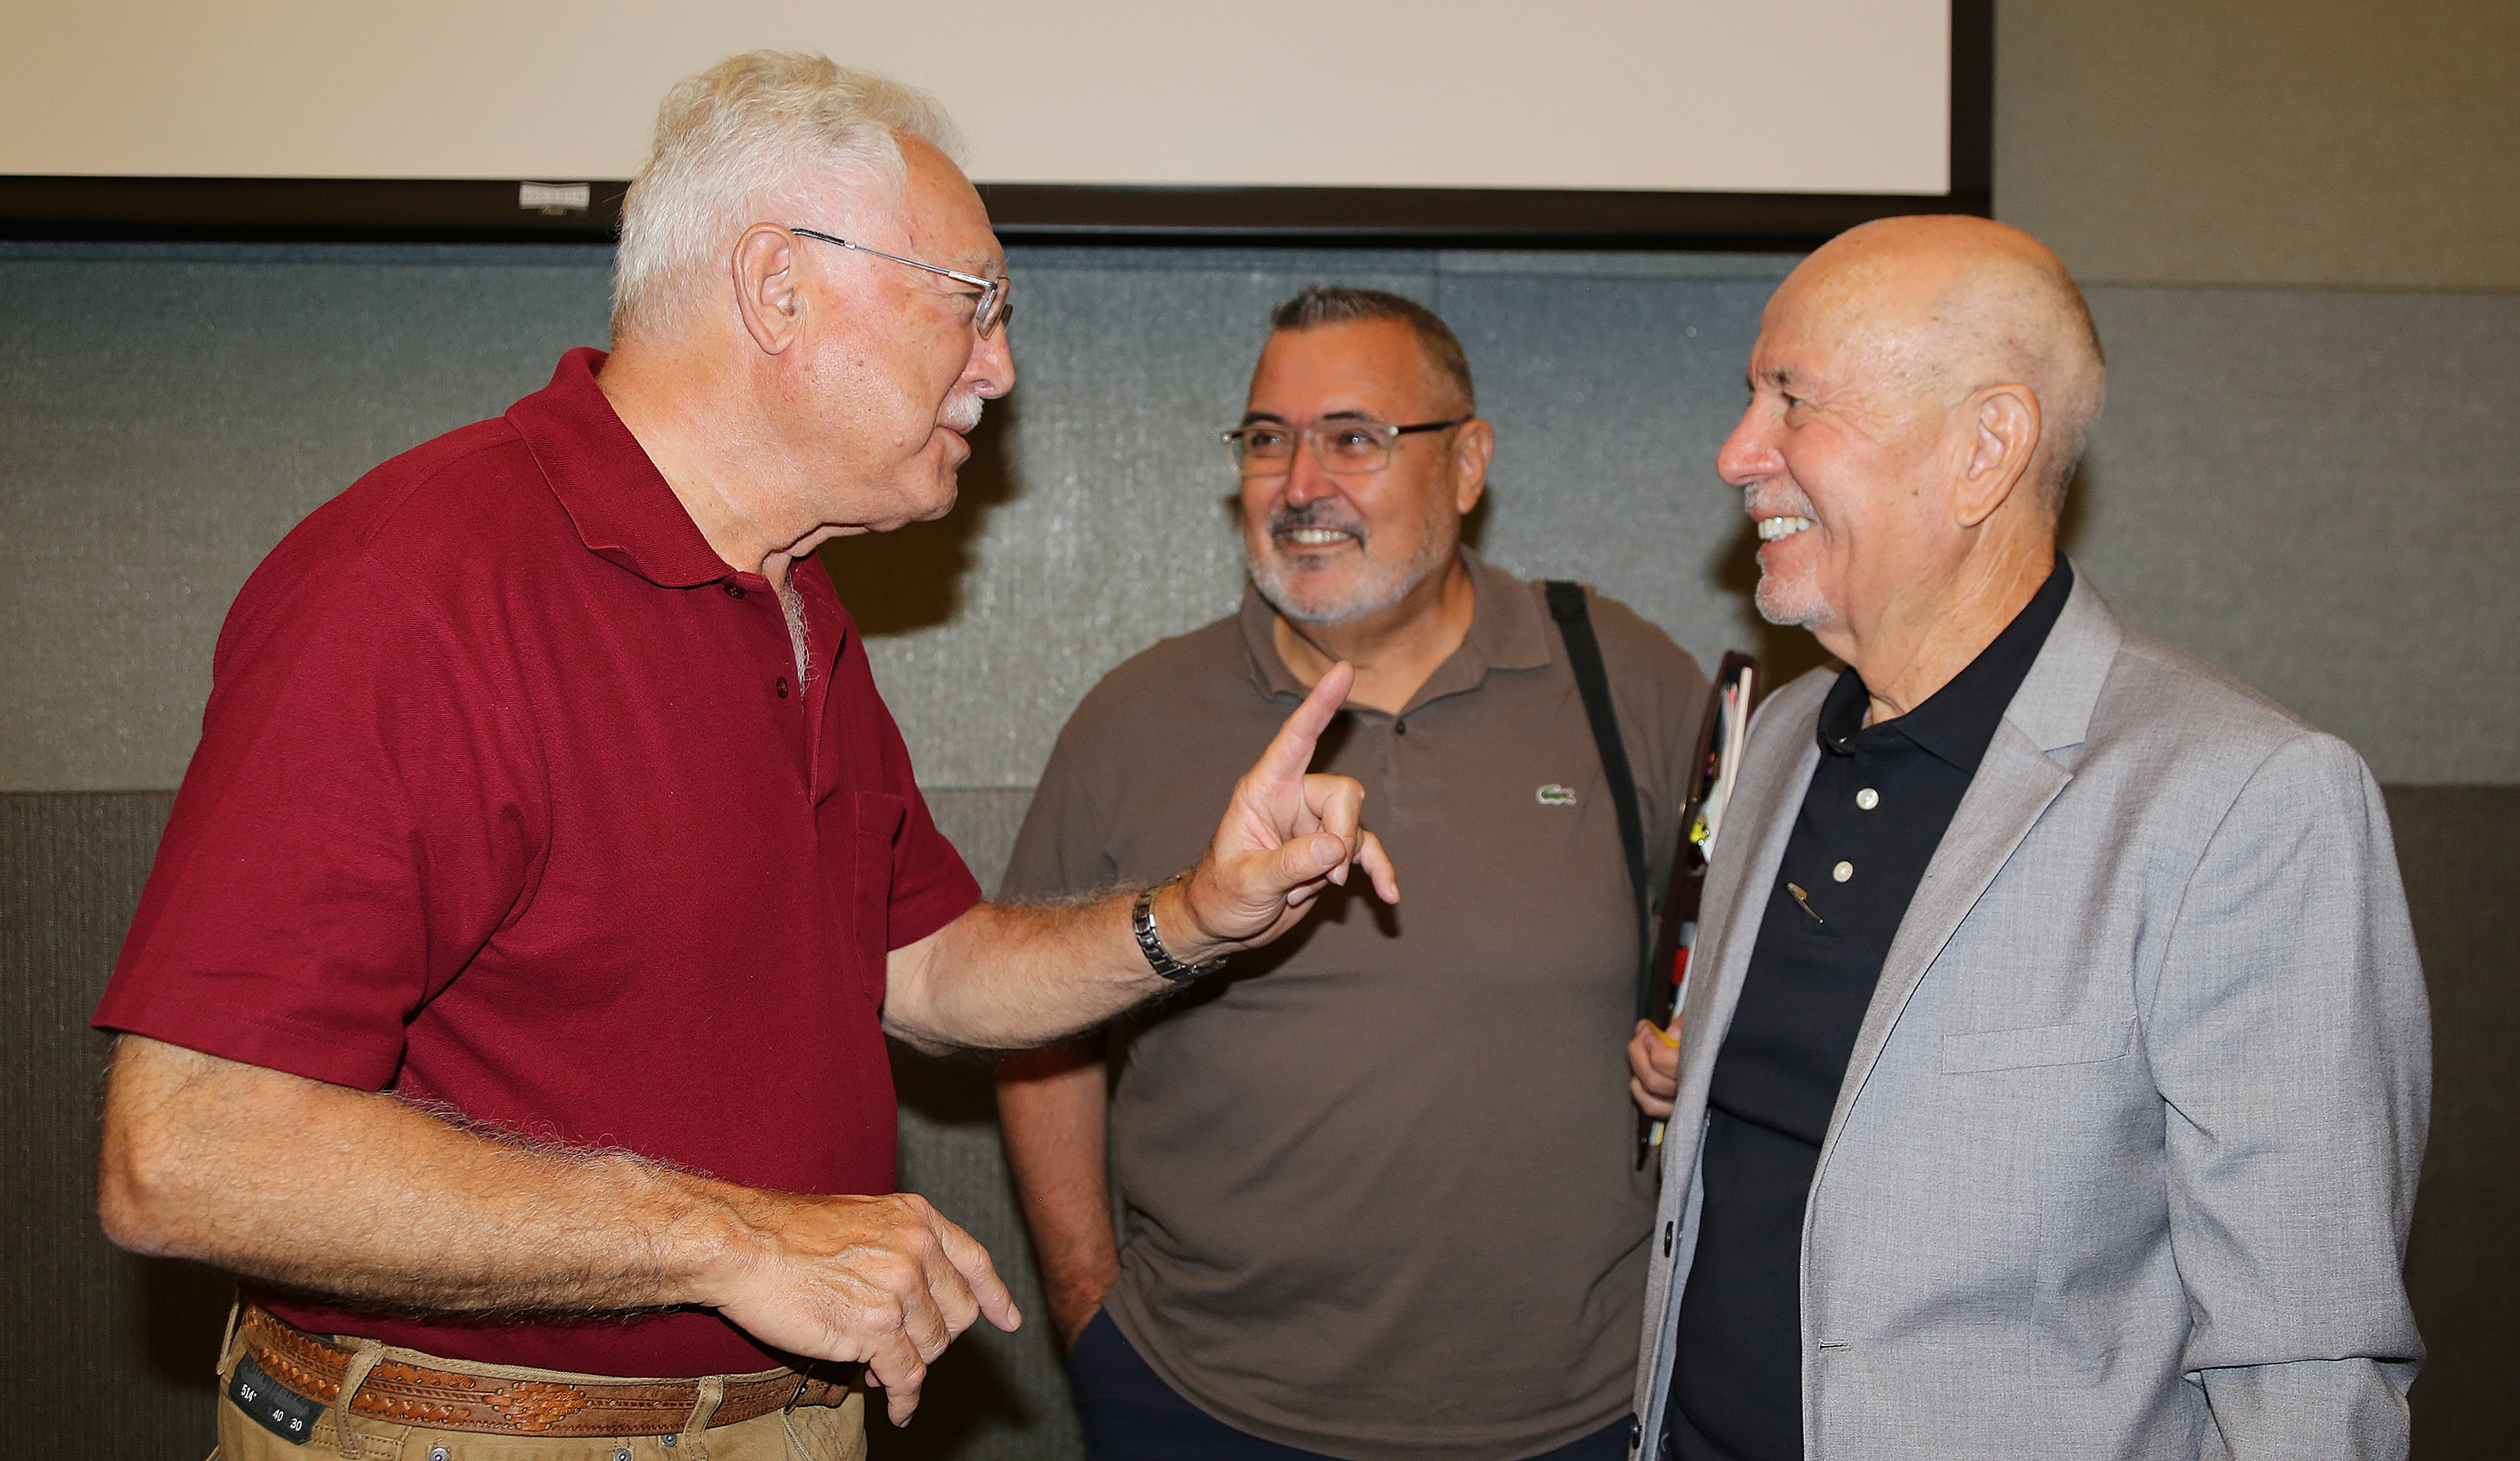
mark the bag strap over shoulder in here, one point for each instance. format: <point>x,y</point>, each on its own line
<point>1567,606</point>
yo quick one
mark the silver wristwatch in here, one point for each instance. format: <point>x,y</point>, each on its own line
<point>1142,922</point>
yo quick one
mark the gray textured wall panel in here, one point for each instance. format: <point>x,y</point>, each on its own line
<point>168,414</point>
<point>2321,492</point>
<point>2313,490</point>
<point>2459,850</point>
<point>109,1355</point>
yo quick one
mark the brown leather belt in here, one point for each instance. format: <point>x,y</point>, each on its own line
<point>444,1396</point>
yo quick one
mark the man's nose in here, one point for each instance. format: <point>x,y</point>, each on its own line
<point>1306,479</point>
<point>991,372</point>
<point>1749,453</point>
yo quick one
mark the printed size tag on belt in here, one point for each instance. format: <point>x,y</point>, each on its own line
<point>283,1413</point>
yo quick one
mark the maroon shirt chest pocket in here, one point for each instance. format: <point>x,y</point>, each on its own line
<point>860,833</point>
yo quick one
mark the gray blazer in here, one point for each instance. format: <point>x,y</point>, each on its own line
<point>2125,1150</point>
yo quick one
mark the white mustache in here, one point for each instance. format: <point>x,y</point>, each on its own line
<point>962,412</point>
<point>1794,505</point>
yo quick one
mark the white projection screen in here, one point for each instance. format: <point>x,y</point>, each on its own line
<point>1370,118</point>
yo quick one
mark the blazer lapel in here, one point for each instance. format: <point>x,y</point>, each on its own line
<point>2012,789</point>
<point>1776,767</point>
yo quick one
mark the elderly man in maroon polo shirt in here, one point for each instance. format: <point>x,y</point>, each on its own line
<point>507,1001</point>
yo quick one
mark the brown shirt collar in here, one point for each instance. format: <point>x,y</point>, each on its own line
<point>1508,631</point>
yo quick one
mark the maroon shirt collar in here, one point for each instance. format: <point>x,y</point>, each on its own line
<point>623,510</point>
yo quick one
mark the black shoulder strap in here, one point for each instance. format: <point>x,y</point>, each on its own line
<point>1584,655</point>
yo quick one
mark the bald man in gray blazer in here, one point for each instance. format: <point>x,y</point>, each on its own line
<point>2053,1072</point>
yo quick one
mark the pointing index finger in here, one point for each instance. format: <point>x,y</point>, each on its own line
<point>1291,753</point>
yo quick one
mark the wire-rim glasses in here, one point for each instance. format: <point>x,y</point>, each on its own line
<point>1266,448</point>
<point>995,306</point>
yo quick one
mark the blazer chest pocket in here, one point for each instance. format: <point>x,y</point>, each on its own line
<point>2037,1045</point>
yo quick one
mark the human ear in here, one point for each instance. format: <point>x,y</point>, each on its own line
<point>766,295</point>
<point>1472,451</point>
<point>2002,434</point>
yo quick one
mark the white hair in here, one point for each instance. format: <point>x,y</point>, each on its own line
<point>751,139</point>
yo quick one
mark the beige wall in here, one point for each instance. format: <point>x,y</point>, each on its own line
<point>1574,93</point>
<point>2321,143</point>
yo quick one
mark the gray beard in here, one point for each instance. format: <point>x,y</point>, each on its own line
<point>1377,589</point>
<point>1776,610</point>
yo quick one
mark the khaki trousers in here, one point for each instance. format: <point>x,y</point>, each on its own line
<point>806,1432</point>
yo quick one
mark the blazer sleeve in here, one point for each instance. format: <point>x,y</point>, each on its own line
<point>2291,1041</point>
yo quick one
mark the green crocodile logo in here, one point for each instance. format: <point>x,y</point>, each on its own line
<point>1554,795</point>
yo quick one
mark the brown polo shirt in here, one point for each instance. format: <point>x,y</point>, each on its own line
<point>1379,1180</point>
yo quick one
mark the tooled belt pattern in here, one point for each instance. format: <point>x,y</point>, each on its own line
<point>451,1400</point>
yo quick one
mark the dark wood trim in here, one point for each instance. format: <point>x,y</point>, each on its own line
<point>474,210</point>
<point>296,209</point>
<point>1440,218</point>
<point>462,210</point>
<point>1973,103</point>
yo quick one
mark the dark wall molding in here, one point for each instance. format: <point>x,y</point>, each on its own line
<point>465,211</point>
<point>1445,218</point>
<point>296,209</point>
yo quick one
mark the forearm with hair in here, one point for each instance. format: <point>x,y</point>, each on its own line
<point>1012,976</point>
<point>375,1199</point>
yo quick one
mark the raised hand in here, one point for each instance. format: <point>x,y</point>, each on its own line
<point>1285,835</point>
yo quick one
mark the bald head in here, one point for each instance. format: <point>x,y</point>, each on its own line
<point>1919,393</point>
<point>1945,305</point>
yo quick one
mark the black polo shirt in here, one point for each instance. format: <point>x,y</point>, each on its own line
<point>1878,804</point>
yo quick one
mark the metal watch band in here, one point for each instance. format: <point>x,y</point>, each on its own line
<point>1142,922</point>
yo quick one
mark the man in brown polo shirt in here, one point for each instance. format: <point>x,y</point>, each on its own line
<point>1379,1181</point>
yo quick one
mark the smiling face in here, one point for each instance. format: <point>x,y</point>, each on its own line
<point>896,378</point>
<point>1838,462</point>
<point>1337,547</point>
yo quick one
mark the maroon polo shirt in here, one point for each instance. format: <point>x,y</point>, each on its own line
<point>507,798</point>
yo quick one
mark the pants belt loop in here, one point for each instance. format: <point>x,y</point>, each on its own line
<point>227,1341</point>
<point>692,1445</point>
<point>370,1352</point>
